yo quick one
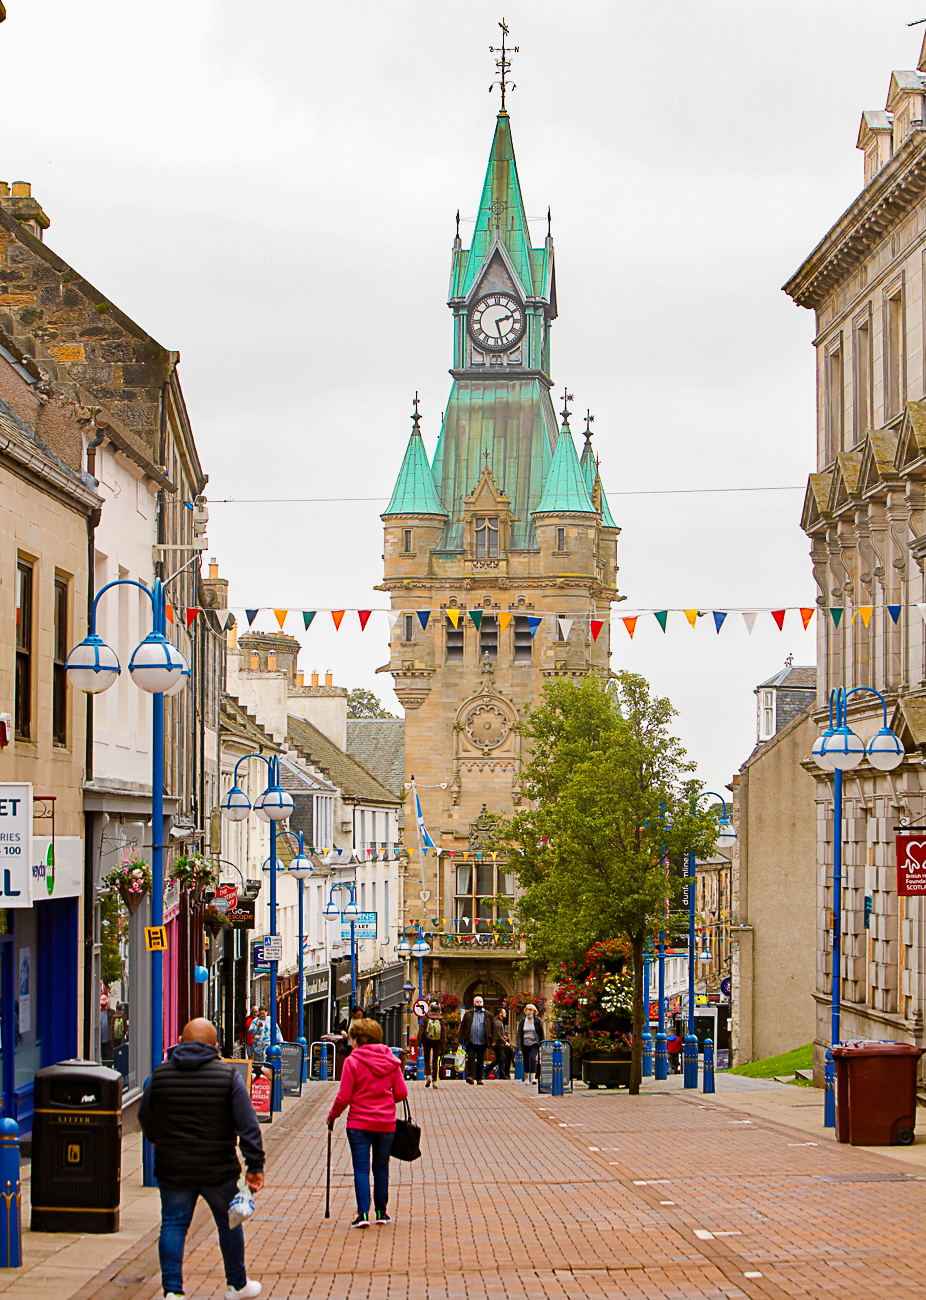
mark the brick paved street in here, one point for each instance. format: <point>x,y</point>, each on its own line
<point>591,1195</point>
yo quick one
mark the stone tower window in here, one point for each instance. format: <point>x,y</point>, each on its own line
<point>406,540</point>
<point>561,539</point>
<point>409,627</point>
<point>454,641</point>
<point>478,885</point>
<point>488,637</point>
<point>523,641</point>
<point>486,537</point>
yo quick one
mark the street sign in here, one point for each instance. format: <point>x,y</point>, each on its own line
<point>241,916</point>
<point>364,927</point>
<point>156,938</point>
<point>273,947</point>
<point>260,961</point>
<point>16,845</point>
<point>421,1007</point>
<point>911,865</point>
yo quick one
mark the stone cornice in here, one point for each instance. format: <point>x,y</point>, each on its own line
<point>882,204</point>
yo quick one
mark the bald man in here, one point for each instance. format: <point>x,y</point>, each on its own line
<point>194,1108</point>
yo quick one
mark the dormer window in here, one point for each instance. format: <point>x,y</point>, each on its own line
<point>486,537</point>
<point>766,715</point>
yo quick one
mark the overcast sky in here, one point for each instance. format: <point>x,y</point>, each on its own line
<point>270,189</point>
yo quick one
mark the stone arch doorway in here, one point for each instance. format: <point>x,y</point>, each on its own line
<point>492,993</point>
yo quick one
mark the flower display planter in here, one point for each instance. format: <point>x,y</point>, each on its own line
<point>133,898</point>
<point>606,1070</point>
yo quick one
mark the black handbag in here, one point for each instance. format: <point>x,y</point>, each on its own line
<point>406,1144</point>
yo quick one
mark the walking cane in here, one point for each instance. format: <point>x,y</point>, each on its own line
<point>328,1181</point>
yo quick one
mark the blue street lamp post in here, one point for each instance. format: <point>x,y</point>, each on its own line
<point>839,750</point>
<point>159,668</point>
<point>273,806</point>
<point>647,1036</point>
<point>350,913</point>
<point>300,869</point>
<point>420,949</point>
<point>726,834</point>
<point>662,1059</point>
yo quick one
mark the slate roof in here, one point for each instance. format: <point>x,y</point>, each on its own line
<point>564,489</point>
<point>356,784</point>
<point>297,780</point>
<point>414,492</point>
<point>235,719</point>
<point>379,744</point>
<point>802,677</point>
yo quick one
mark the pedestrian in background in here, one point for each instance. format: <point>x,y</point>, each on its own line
<point>261,1030</point>
<point>530,1036</point>
<point>502,1044</point>
<point>674,1047</point>
<point>249,1031</point>
<point>432,1040</point>
<point>371,1084</point>
<point>193,1109</point>
<point>476,1029</point>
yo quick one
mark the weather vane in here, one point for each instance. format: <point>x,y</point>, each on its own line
<point>503,64</point>
<point>486,454</point>
<point>567,398</point>
<point>415,417</point>
<point>589,421</point>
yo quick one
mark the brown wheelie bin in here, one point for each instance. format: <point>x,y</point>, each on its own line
<point>876,1093</point>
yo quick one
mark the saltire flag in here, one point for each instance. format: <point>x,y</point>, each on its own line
<point>426,840</point>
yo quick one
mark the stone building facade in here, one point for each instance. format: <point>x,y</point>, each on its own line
<point>503,525</point>
<point>865,515</point>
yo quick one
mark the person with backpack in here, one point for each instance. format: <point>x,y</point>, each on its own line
<point>432,1040</point>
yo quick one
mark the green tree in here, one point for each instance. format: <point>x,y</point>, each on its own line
<point>615,797</point>
<point>364,704</point>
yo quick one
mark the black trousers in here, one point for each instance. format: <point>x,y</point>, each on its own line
<point>431,1059</point>
<point>475,1061</point>
<point>503,1057</point>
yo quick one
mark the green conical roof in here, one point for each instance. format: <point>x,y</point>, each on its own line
<point>565,490</point>
<point>589,470</point>
<point>414,492</point>
<point>501,216</point>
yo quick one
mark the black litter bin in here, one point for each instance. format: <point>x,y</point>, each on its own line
<point>76,1148</point>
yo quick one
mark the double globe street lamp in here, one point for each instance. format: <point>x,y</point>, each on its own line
<point>839,749</point>
<point>351,913</point>
<point>273,806</point>
<point>158,667</point>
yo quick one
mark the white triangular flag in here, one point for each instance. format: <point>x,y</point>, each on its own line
<point>223,615</point>
<point>922,609</point>
<point>565,627</point>
<point>750,621</point>
<point>393,618</point>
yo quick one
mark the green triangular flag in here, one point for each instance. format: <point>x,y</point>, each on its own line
<point>662,615</point>
<point>307,616</point>
<point>476,616</point>
<point>837,613</point>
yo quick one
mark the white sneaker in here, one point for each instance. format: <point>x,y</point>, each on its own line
<point>247,1292</point>
<point>173,1295</point>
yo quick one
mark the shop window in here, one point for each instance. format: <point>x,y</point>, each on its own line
<point>479,887</point>
<point>486,538</point>
<point>59,675</point>
<point>23,688</point>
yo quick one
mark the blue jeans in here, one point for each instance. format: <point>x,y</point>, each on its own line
<point>177,1206</point>
<point>364,1143</point>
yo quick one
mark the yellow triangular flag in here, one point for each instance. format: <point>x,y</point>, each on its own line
<point>503,621</point>
<point>465,857</point>
<point>691,615</point>
<point>865,611</point>
<point>454,616</point>
<point>281,616</point>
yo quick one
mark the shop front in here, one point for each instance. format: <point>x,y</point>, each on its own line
<point>316,994</point>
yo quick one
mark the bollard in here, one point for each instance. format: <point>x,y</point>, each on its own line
<point>11,1240</point>
<point>323,1064</point>
<point>829,1097</point>
<point>647,1054</point>
<point>662,1057</point>
<point>419,1073</point>
<point>519,1066</point>
<point>691,1061</point>
<point>274,1061</point>
<point>556,1089</point>
<point>708,1066</point>
<point>147,1157</point>
<point>303,1043</point>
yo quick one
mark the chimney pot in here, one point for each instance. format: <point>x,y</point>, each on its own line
<point>22,190</point>
<point>271,663</point>
<point>300,679</point>
<point>4,190</point>
<point>213,567</point>
<point>255,662</point>
<point>233,637</point>
<point>328,679</point>
<point>315,679</point>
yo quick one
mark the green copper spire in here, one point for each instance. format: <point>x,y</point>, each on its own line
<point>565,490</point>
<point>589,467</point>
<point>414,492</point>
<point>501,218</point>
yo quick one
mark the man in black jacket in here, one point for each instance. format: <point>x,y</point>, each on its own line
<point>194,1107</point>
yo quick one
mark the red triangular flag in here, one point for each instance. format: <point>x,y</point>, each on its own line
<point>597,624</point>
<point>363,615</point>
<point>337,615</point>
<point>779,616</point>
<point>807,615</point>
<point>170,613</point>
<point>190,616</point>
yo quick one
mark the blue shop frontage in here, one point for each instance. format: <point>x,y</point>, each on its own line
<point>39,959</point>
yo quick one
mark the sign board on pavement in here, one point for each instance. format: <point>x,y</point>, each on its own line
<point>545,1072</point>
<point>273,947</point>
<point>243,1066</point>
<point>260,1097</point>
<point>364,927</point>
<point>911,865</point>
<point>421,1007</point>
<point>292,1068</point>
<point>16,845</point>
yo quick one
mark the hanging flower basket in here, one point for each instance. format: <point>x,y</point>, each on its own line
<point>132,879</point>
<point>215,921</point>
<point>193,872</point>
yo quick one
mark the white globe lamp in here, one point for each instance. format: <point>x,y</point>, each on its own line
<point>92,666</point>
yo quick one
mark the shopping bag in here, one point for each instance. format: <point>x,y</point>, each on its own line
<point>241,1208</point>
<point>406,1144</point>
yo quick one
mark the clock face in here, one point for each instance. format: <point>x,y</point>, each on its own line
<point>496,321</point>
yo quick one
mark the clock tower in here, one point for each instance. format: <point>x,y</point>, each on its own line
<point>500,555</point>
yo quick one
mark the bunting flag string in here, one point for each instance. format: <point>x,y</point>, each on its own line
<point>307,616</point>
<point>719,617</point>
<point>692,616</point>
<point>750,621</point>
<point>337,615</point>
<point>364,616</point>
<point>191,616</point>
<point>454,616</point>
<point>281,616</point>
<point>596,625</point>
<point>630,624</point>
<point>170,613</point>
<point>662,617</point>
<point>565,627</point>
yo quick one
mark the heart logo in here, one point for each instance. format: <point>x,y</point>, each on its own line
<point>916,853</point>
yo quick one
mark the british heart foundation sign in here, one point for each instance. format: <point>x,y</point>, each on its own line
<point>911,864</point>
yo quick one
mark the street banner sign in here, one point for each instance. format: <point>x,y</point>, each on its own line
<point>911,865</point>
<point>421,1007</point>
<point>226,897</point>
<point>364,927</point>
<point>273,947</point>
<point>16,845</point>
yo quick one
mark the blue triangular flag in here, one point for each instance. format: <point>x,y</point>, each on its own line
<point>252,614</point>
<point>719,616</point>
<point>894,611</point>
<point>533,622</point>
<point>423,616</point>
